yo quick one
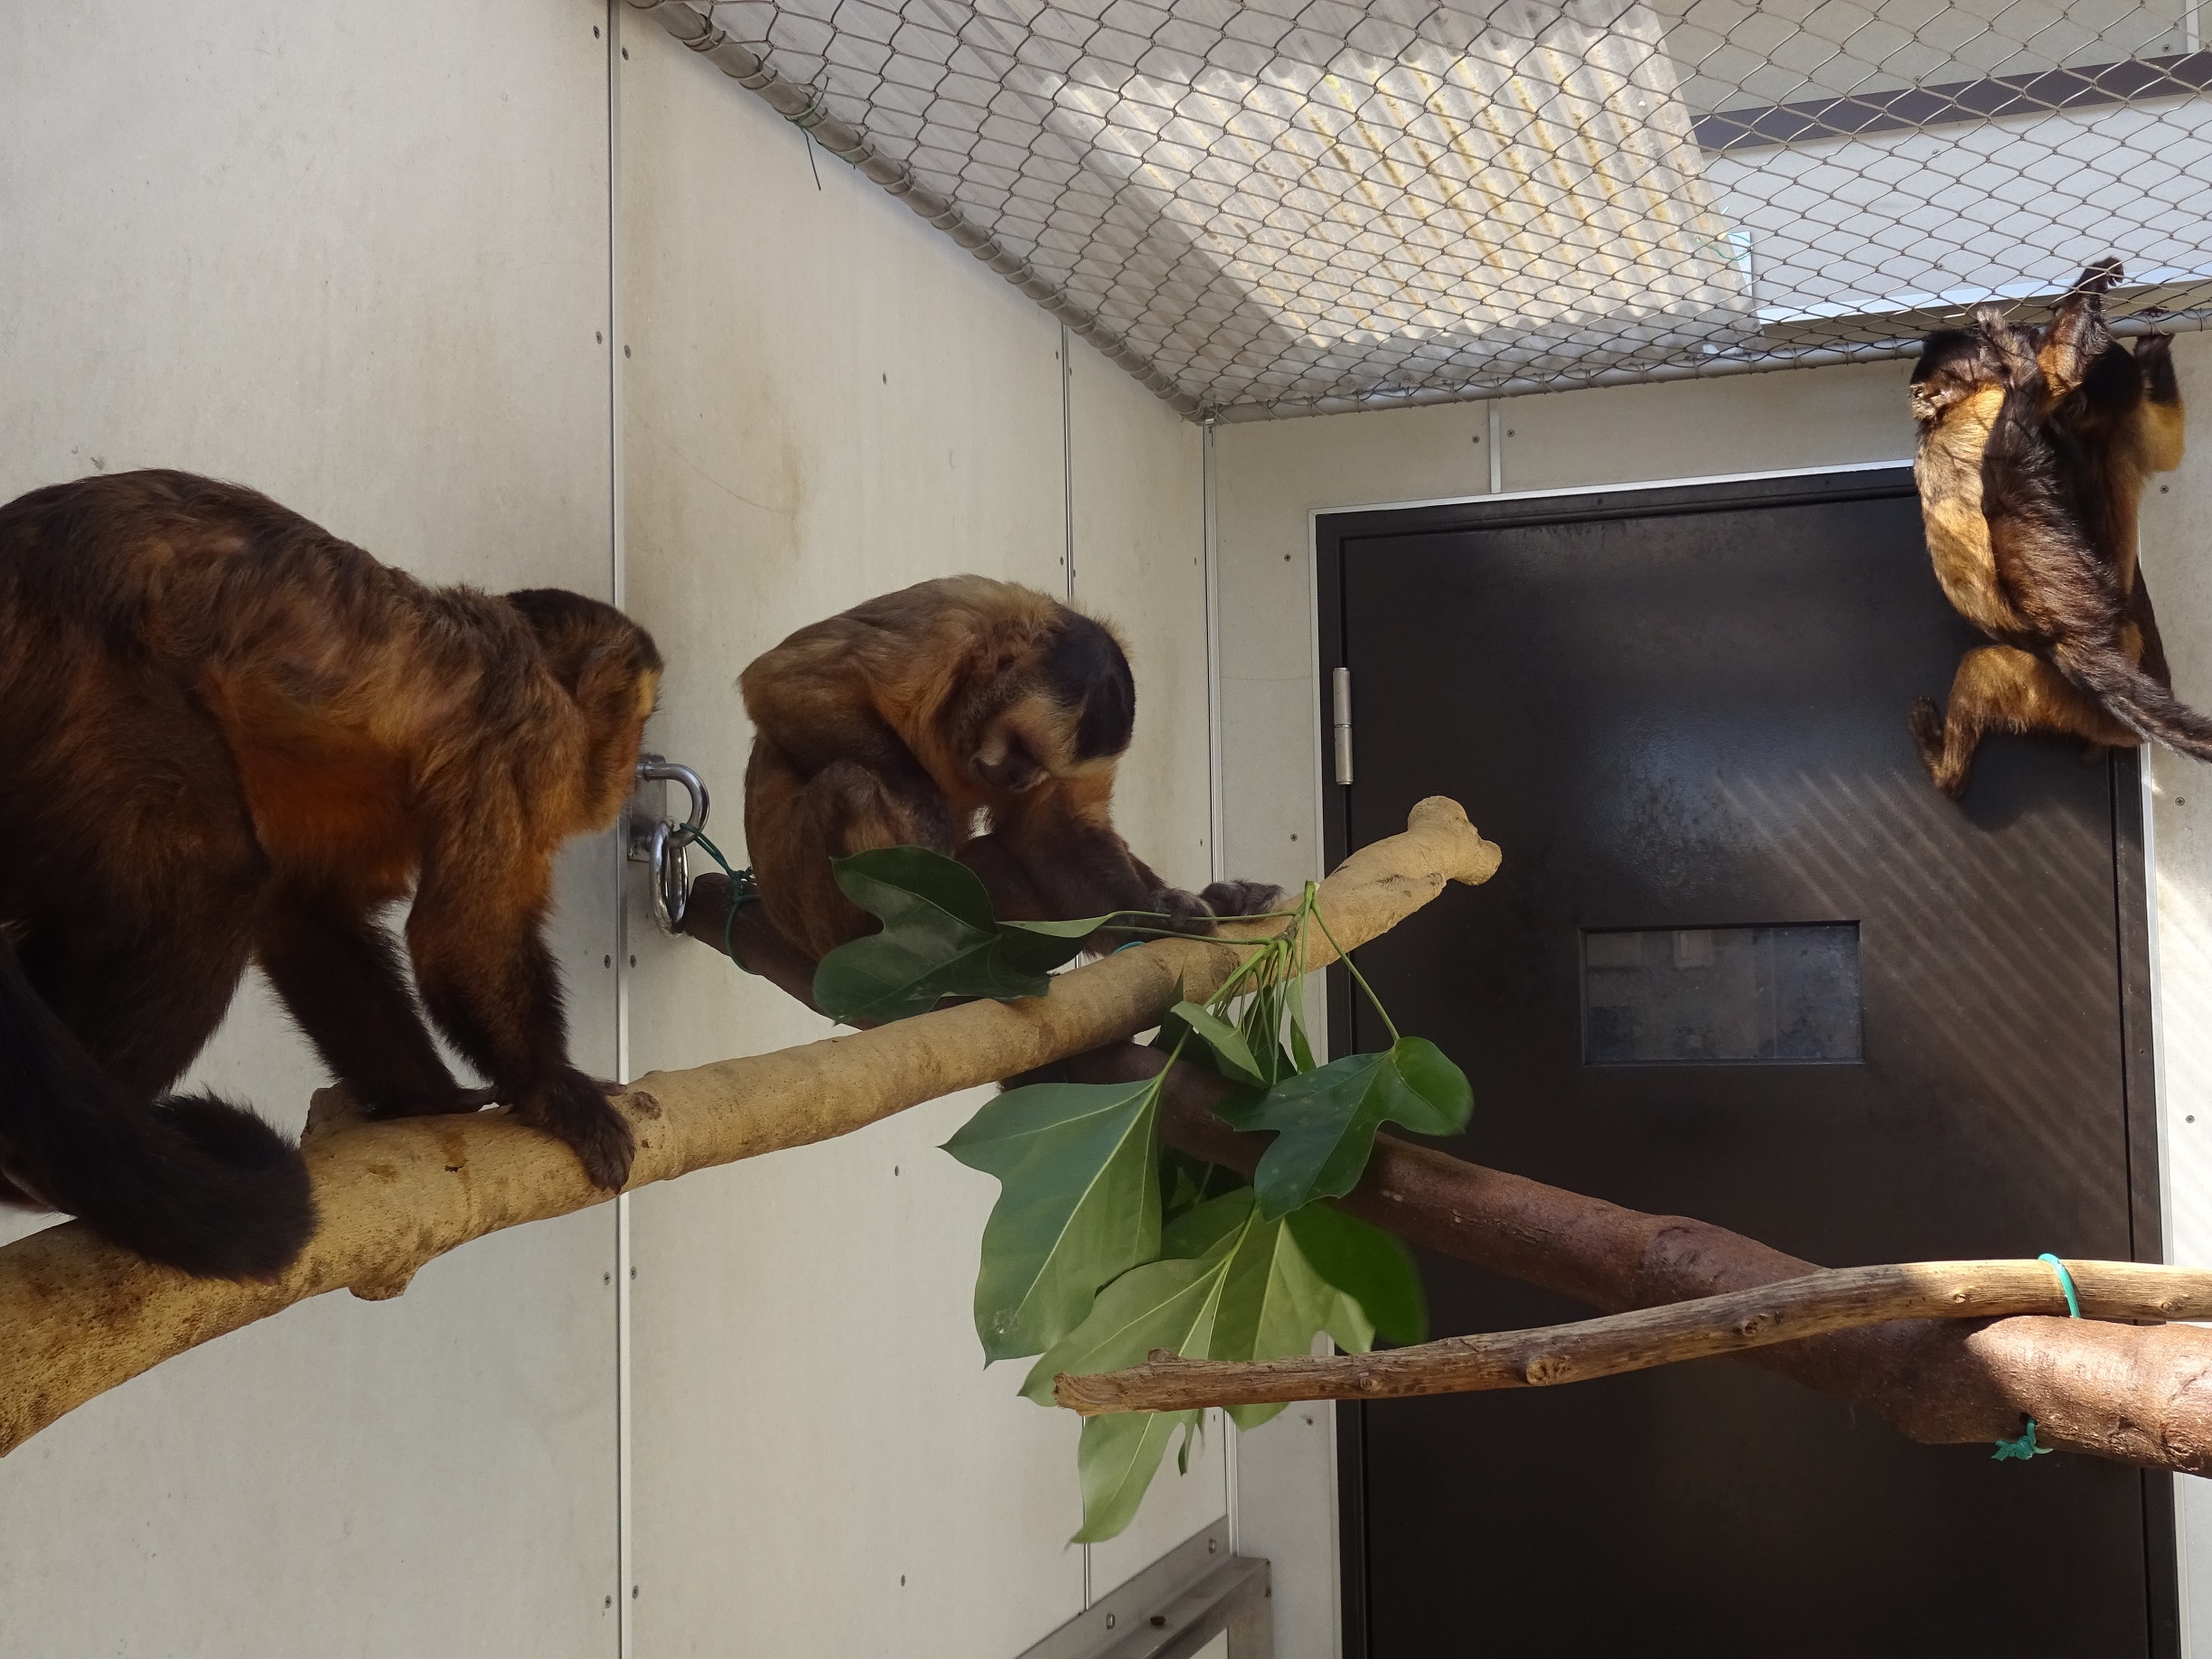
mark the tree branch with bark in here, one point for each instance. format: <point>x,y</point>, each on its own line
<point>82,1314</point>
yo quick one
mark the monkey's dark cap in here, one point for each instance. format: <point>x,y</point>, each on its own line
<point>1085,666</point>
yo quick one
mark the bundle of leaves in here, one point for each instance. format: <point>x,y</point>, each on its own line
<point>1105,1245</point>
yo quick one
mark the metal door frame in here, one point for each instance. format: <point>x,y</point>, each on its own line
<point>1333,528</point>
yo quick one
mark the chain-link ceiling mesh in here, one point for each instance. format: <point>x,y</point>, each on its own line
<point>1298,205</point>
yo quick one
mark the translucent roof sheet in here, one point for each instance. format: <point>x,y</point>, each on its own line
<point>1312,204</point>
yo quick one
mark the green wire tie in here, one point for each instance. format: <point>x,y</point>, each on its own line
<point>743,890</point>
<point>2023,1446</point>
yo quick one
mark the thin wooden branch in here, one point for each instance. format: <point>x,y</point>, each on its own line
<point>82,1314</point>
<point>1841,1299</point>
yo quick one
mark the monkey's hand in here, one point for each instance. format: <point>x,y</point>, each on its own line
<point>1241,898</point>
<point>574,1109</point>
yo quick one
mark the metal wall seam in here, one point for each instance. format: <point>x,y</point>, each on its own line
<point>802,108</point>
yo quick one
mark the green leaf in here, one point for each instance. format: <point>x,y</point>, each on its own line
<point>1166,1304</point>
<point>1160,1305</point>
<point>1115,1459</point>
<point>1274,1303</point>
<point>1371,1267</point>
<point>1326,1119</point>
<point>1232,1055</point>
<point>939,939</point>
<point>1187,1182</point>
<point>1078,1203</point>
<point>1301,1051</point>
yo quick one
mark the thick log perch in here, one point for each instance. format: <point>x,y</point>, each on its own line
<point>1842,1299</point>
<point>82,1314</point>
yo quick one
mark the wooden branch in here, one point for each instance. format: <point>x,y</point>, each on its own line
<point>1841,1299</point>
<point>2139,1396</point>
<point>82,1314</point>
<point>2131,1394</point>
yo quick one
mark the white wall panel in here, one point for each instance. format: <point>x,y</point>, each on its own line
<point>2177,535</point>
<point>822,400</point>
<point>354,257</point>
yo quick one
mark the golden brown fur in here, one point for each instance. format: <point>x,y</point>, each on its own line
<point>2034,450</point>
<point>227,735</point>
<point>918,718</point>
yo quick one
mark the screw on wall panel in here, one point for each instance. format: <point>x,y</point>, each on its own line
<point>606,961</point>
<point>633,960</point>
<point>1159,1621</point>
<point>1109,1621</point>
<point>610,1600</point>
<point>626,54</point>
<point>598,338</point>
<point>1212,1546</point>
<point>626,350</point>
<point>606,1278</point>
<point>633,1590</point>
<point>902,1581</point>
<point>633,1275</point>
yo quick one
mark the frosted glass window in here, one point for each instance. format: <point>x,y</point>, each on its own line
<point>1722,996</point>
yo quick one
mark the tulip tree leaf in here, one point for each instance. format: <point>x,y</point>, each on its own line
<point>1079,1203</point>
<point>1244,1291</point>
<point>939,939</point>
<point>1273,1304</point>
<point>1326,1119</point>
<point>1371,1267</point>
<point>1168,1304</point>
<point>1190,1027</point>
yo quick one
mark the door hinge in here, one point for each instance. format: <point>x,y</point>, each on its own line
<point>1340,686</point>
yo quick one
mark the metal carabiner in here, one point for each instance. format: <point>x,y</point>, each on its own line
<point>662,845</point>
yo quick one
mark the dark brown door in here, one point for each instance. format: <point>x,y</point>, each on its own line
<point>1741,963</point>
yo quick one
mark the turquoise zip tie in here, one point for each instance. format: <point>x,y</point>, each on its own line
<point>743,891</point>
<point>2065,1283</point>
<point>2023,1445</point>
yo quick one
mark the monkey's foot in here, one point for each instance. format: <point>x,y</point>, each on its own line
<point>574,1109</point>
<point>1925,721</point>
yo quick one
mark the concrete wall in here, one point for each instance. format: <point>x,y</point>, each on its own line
<point>1269,478</point>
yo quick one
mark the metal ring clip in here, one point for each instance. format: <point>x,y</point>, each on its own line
<point>662,845</point>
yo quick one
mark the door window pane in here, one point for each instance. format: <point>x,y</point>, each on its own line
<point>1721,996</point>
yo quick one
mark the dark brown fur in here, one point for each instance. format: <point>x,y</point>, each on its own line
<point>912,719</point>
<point>2034,450</point>
<point>226,735</point>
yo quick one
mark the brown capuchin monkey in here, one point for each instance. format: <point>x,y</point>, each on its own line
<point>916,719</point>
<point>2033,453</point>
<point>226,737</point>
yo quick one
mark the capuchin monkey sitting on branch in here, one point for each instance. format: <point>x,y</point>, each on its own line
<point>924,715</point>
<point>228,736</point>
<point>2034,449</point>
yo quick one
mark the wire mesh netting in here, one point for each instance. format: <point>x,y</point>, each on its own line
<point>1301,205</point>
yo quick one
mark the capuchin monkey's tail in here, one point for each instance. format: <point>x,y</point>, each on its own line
<point>188,1181</point>
<point>2132,697</point>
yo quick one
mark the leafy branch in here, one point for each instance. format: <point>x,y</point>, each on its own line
<point>1100,1249</point>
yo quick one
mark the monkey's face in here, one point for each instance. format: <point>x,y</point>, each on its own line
<point>1954,364</point>
<point>1020,747</point>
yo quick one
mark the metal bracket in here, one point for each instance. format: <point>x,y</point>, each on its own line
<point>660,844</point>
<point>1176,1607</point>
